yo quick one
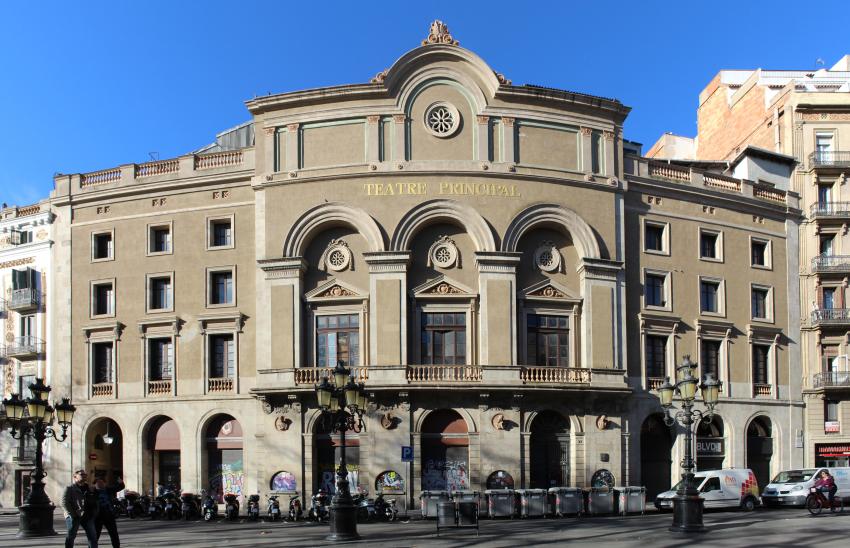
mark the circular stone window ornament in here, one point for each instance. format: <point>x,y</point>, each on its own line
<point>547,257</point>
<point>337,256</point>
<point>444,253</point>
<point>442,119</point>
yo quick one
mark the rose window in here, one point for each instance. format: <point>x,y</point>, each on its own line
<point>443,253</point>
<point>547,258</point>
<point>337,256</point>
<point>442,119</point>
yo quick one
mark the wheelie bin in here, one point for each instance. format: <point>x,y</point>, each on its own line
<point>500,503</point>
<point>566,501</point>
<point>428,502</point>
<point>630,499</point>
<point>532,502</point>
<point>600,500</point>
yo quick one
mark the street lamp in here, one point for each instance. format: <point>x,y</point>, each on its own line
<point>342,404</point>
<point>33,418</point>
<point>687,504</point>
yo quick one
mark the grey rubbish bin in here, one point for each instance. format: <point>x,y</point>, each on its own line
<point>532,503</point>
<point>446,515</point>
<point>428,501</point>
<point>631,499</point>
<point>467,514</point>
<point>500,503</point>
<point>566,501</point>
<point>600,501</point>
<point>466,496</point>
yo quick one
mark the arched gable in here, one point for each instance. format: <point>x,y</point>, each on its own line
<point>541,214</point>
<point>331,214</point>
<point>443,210</point>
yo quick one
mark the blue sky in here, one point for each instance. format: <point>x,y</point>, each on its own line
<point>88,85</point>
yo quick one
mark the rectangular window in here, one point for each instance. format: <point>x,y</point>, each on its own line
<point>443,338</point>
<point>830,359</point>
<point>160,359</point>
<point>654,237</point>
<point>27,326</point>
<point>338,340</point>
<point>101,246</point>
<point>221,233</point>
<point>824,194</point>
<point>221,287</point>
<point>830,410</point>
<point>160,239</point>
<point>759,303</point>
<point>222,356</point>
<point>102,299</point>
<point>654,291</point>
<point>710,358</point>
<point>24,279</point>
<point>161,293</point>
<point>828,298</point>
<point>548,340</point>
<point>656,356</point>
<point>823,146</point>
<point>709,293</point>
<point>758,253</point>
<point>760,359</point>
<point>826,242</point>
<point>708,245</point>
<point>102,363</point>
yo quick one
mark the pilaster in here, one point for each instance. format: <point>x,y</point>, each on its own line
<point>497,307</point>
<point>388,307</point>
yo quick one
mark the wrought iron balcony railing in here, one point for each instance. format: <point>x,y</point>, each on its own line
<point>820,210</point>
<point>834,316</point>
<point>831,263</point>
<point>833,158</point>
<point>24,346</point>
<point>831,378</point>
<point>23,299</point>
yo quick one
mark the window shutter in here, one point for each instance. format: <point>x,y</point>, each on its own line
<point>231,358</point>
<point>819,296</point>
<point>31,278</point>
<point>839,297</point>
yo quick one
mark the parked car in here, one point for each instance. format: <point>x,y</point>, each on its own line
<point>791,487</point>
<point>727,488</point>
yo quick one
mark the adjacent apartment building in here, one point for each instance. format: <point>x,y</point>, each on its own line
<point>804,114</point>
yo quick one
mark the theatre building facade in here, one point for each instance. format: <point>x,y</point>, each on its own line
<point>505,276</point>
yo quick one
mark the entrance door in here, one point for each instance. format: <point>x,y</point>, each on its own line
<point>550,455</point>
<point>656,444</point>
<point>760,449</point>
<point>169,469</point>
<point>445,452</point>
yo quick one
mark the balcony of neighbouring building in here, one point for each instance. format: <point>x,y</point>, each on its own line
<point>831,379</point>
<point>831,263</point>
<point>830,210</point>
<point>23,299</point>
<point>829,159</point>
<point>831,316</point>
<point>24,347</point>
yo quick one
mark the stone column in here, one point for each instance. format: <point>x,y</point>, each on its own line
<point>482,135</point>
<point>373,140</point>
<point>587,151</point>
<point>610,156</point>
<point>508,140</point>
<point>279,329</point>
<point>497,333</point>
<point>291,156</point>
<point>399,138</point>
<point>388,332</point>
<point>270,150</point>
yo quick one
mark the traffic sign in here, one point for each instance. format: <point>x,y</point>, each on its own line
<point>406,453</point>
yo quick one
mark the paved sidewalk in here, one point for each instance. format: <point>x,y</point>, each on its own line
<point>793,527</point>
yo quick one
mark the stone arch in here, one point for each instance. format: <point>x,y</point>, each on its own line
<point>109,465</point>
<point>334,214</point>
<point>759,444</point>
<point>538,214</point>
<point>471,427</point>
<point>224,450</point>
<point>574,423</point>
<point>311,420</point>
<point>152,464</point>
<point>548,449</point>
<point>443,210</point>
<point>205,420</point>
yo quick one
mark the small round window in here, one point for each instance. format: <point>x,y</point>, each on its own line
<point>442,119</point>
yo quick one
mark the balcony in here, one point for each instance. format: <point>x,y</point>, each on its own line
<point>23,299</point>
<point>313,375</point>
<point>159,388</point>
<point>654,383</point>
<point>831,316</point>
<point>443,373</point>
<point>761,390</point>
<point>836,158</point>
<point>223,384</point>
<point>554,375</point>
<point>24,347</point>
<point>831,379</point>
<point>831,263</point>
<point>830,210</point>
<point>102,390</point>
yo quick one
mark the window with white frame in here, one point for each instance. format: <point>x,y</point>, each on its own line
<point>711,296</point>
<point>760,253</point>
<point>102,367</point>
<point>159,239</point>
<point>656,237</point>
<point>710,357</point>
<point>222,356</point>
<point>710,245</point>
<point>824,143</point>
<point>220,233</point>
<point>102,246</point>
<point>160,358</point>
<point>761,364</point>
<point>656,356</point>
<point>103,298</point>
<point>827,244</point>
<point>337,339</point>
<point>160,292</point>
<point>656,289</point>
<point>761,305</point>
<point>221,287</point>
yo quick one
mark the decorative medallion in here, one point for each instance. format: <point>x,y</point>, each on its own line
<point>337,256</point>
<point>442,119</point>
<point>444,253</point>
<point>547,258</point>
<point>602,422</point>
<point>498,421</point>
<point>439,34</point>
<point>388,421</point>
<point>549,292</point>
<point>336,291</point>
<point>282,423</point>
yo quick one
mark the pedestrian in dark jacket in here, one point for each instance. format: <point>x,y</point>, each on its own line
<point>105,513</point>
<point>78,512</point>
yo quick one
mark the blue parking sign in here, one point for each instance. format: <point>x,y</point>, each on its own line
<point>406,453</point>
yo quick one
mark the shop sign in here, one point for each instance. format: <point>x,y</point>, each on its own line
<point>831,427</point>
<point>837,450</point>
<point>710,447</point>
<point>92,456</point>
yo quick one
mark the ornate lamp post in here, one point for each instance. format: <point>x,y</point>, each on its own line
<point>687,504</point>
<point>342,404</point>
<point>33,418</point>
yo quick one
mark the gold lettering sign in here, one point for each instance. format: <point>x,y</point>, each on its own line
<point>442,189</point>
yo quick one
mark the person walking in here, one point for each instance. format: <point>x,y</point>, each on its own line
<point>77,511</point>
<point>105,513</point>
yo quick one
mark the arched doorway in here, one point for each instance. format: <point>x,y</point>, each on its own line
<point>550,450</point>
<point>656,445</point>
<point>711,445</point>
<point>445,451</point>
<point>163,454</point>
<point>760,449</point>
<point>328,452</point>
<point>224,469</point>
<point>105,451</point>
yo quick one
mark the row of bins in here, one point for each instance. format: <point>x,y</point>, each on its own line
<point>527,503</point>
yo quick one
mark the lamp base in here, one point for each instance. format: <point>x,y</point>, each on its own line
<point>687,514</point>
<point>343,522</point>
<point>36,520</point>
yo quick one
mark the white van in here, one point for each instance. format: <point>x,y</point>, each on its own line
<point>727,488</point>
<point>791,487</point>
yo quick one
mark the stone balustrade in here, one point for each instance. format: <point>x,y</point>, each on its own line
<point>223,384</point>
<point>554,375</point>
<point>159,388</point>
<point>102,390</point>
<point>313,375</point>
<point>443,373</point>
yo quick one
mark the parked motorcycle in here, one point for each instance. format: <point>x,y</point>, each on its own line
<point>273,508</point>
<point>253,507</point>
<point>231,507</point>
<point>365,506</point>
<point>295,510</point>
<point>188,505</point>
<point>209,508</point>
<point>132,505</point>
<point>156,507</point>
<point>170,509</point>
<point>319,505</point>
<point>385,509</point>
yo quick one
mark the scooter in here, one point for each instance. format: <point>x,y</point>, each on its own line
<point>253,507</point>
<point>231,507</point>
<point>385,509</point>
<point>133,504</point>
<point>365,506</point>
<point>188,505</point>
<point>209,508</point>
<point>319,504</point>
<point>156,507</point>
<point>171,509</point>
<point>273,510</point>
<point>295,510</point>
